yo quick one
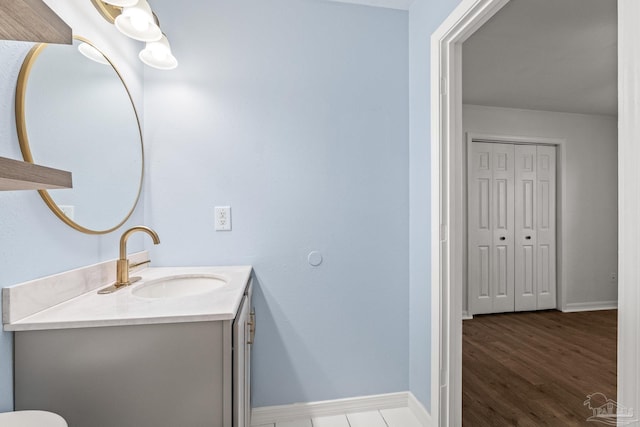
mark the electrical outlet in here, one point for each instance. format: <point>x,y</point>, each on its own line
<point>223,218</point>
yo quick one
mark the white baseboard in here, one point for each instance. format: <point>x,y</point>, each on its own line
<point>275,414</point>
<point>573,307</point>
<point>466,315</point>
<point>419,411</point>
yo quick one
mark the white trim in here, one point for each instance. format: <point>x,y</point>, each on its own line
<point>275,414</point>
<point>628,204</point>
<point>419,411</point>
<point>446,127</point>
<point>466,315</point>
<point>514,139</point>
<point>388,4</point>
<point>573,307</point>
<point>446,211</point>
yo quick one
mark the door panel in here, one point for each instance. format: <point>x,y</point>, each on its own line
<point>527,265</point>
<point>480,159</point>
<point>525,224</point>
<point>503,228</point>
<point>485,271</point>
<point>240,357</point>
<point>490,228</point>
<point>546,207</point>
<point>503,285</point>
<point>483,203</point>
<point>544,278</point>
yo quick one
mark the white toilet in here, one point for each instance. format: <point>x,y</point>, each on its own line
<point>31,419</point>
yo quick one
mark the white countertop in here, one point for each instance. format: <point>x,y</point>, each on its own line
<point>123,308</point>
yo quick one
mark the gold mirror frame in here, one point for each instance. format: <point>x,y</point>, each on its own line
<point>21,125</point>
<point>108,12</point>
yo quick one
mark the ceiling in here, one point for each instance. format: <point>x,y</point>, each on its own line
<point>554,55</point>
<point>389,4</point>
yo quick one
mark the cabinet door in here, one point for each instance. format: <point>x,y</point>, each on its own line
<point>247,352</point>
<point>241,366</point>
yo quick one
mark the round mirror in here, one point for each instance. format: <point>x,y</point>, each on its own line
<point>74,112</point>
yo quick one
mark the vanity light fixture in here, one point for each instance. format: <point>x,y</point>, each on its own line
<point>138,22</point>
<point>158,55</point>
<point>135,19</point>
<point>92,53</point>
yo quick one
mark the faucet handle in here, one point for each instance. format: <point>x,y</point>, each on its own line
<point>138,264</point>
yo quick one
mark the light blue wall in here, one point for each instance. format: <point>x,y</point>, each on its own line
<point>425,17</point>
<point>295,113</point>
<point>33,242</point>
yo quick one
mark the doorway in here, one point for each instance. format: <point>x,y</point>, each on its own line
<point>448,201</point>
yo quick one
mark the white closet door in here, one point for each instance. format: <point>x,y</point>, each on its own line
<point>511,196</point>
<point>503,228</point>
<point>479,227</point>
<point>546,230</point>
<point>525,223</point>
<point>490,228</point>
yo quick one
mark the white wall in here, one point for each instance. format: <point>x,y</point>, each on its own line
<point>33,241</point>
<point>590,214</point>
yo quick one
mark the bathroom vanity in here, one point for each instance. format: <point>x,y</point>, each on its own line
<point>160,353</point>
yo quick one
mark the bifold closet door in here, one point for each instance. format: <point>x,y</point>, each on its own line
<point>535,227</point>
<point>511,227</point>
<point>546,230</point>
<point>490,227</point>
<point>526,185</point>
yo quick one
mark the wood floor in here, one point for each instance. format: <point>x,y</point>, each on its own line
<point>399,417</point>
<point>536,369</point>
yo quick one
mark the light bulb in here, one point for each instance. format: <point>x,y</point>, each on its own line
<point>158,55</point>
<point>92,53</point>
<point>139,22</point>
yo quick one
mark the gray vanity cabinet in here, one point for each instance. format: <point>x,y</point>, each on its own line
<point>189,374</point>
<point>243,333</point>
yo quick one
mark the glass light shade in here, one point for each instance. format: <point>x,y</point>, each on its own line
<point>121,3</point>
<point>92,53</point>
<point>158,55</point>
<point>138,23</point>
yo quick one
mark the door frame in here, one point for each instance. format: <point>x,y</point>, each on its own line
<point>447,215</point>
<point>560,144</point>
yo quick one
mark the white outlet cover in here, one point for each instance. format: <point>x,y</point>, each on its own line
<point>223,218</point>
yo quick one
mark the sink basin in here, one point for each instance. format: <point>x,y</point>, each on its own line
<point>184,285</point>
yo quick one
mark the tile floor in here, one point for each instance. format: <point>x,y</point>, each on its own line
<point>399,417</point>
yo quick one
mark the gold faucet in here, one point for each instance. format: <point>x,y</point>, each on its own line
<point>122,266</point>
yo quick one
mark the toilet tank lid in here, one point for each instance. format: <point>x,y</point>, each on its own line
<point>31,419</point>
